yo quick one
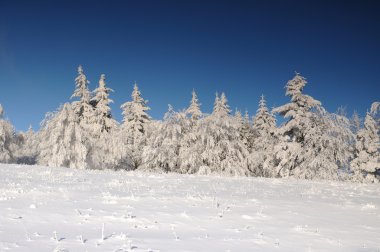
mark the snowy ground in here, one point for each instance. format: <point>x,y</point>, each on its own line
<point>43,209</point>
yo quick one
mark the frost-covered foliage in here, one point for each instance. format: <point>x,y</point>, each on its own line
<point>107,151</point>
<point>215,145</point>
<point>163,147</point>
<point>264,139</point>
<point>188,152</point>
<point>62,140</point>
<point>356,122</point>
<point>239,117</point>
<point>7,139</point>
<point>308,140</point>
<point>312,143</point>
<point>194,110</point>
<point>83,108</point>
<point>27,150</point>
<point>264,123</point>
<point>103,116</point>
<point>244,128</point>
<point>366,164</point>
<point>133,128</point>
<point>101,141</point>
<point>221,107</point>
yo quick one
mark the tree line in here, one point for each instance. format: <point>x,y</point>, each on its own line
<point>311,144</point>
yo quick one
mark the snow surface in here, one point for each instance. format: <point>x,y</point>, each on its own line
<point>61,209</point>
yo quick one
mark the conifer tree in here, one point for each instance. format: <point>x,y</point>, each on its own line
<point>246,132</point>
<point>135,121</point>
<point>163,147</point>
<point>307,146</point>
<point>82,92</point>
<point>356,122</point>
<point>103,115</point>
<point>221,107</point>
<point>103,148</point>
<point>7,138</point>
<point>366,164</point>
<point>239,118</point>
<point>264,128</point>
<point>27,147</point>
<point>194,109</point>
<point>244,128</point>
<point>264,122</point>
<point>61,140</point>
<point>83,108</point>
<point>216,146</point>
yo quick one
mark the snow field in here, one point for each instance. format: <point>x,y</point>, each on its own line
<point>61,209</point>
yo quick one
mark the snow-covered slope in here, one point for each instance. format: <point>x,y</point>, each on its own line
<point>59,209</point>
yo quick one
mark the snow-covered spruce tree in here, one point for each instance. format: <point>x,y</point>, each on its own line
<point>106,151</point>
<point>83,107</point>
<point>264,129</point>
<point>366,164</point>
<point>217,144</point>
<point>194,110</point>
<point>102,153</point>
<point>7,135</point>
<point>28,147</point>
<point>264,122</point>
<point>102,111</point>
<point>61,140</point>
<point>306,147</point>
<point>133,128</point>
<point>188,155</point>
<point>244,129</point>
<point>221,107</point>
<point>163,147</point>
<point>246,132</point>
<point>356,122</point>
<point>341,140</point>
<point>239,118</point>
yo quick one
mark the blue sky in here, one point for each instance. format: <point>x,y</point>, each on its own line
<point>244,48</point>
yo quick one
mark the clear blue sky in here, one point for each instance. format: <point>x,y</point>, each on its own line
<point>244,48</point>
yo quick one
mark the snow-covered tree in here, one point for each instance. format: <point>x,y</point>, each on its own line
<point>61,140</point>
<point>102,147</point>
<point>264,122</point>
<point>239,118</point>
<point>83,107</point>
<point>163,147</point>
<point>135,121</point>
<point>194,110</point>
<point>366,164</point>
<point>375,108</point>
<point>7,135</point>
<point>356,122</point>
<point>103,117</point>
<point>215,146</point>
<point>246,132</point>
<point>244,128</point>
<point>27,147</point>
<point>306,147</point>
<point>107,151</point>
<point>264,129</point>
<point>82,92</point>
<point>221,107</point>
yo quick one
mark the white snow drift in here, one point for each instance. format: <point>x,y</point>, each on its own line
<point>62,209</point>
